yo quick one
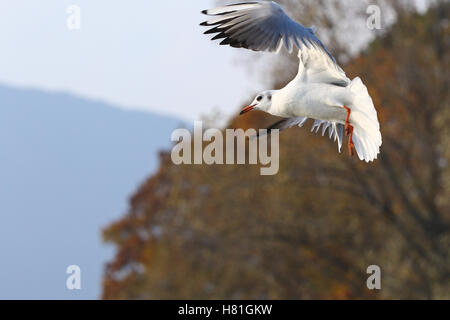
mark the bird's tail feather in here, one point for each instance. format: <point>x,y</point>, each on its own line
<point>363,118</point>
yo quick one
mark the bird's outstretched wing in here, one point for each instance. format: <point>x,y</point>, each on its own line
<point>315,67</point>
<point>335,130</point>
<point>260,26</point>
<point>284,124</point>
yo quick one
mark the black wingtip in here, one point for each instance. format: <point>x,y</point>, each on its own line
<point>205,11</point>
<point>204,24</point>
<point>213,30</point>
<point>225,42</point>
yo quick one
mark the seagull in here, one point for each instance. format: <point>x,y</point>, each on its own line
<point>320,91</point>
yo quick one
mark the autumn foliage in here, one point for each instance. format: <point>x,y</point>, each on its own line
<point>310,231</point>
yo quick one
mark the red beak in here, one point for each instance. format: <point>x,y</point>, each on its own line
<point>247,109</point>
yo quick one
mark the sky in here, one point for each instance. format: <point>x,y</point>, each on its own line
<point>141,54</point>
<point>147,55</point>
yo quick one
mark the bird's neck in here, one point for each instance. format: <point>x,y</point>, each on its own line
<point>277,107</point>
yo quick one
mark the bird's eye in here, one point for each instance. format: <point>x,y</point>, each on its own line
<point>259,98</point>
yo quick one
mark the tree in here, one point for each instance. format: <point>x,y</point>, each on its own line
<point>312,230</point>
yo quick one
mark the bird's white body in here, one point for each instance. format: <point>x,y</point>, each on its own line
<point>321,89</point>
<point>311,100</point>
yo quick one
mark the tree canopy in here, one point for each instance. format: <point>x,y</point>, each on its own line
<point>311,230</point>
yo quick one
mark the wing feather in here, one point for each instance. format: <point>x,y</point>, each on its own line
<point>243,22</point>
<point>336,130</point>
<point>264,26</point>
<point>315,67</point>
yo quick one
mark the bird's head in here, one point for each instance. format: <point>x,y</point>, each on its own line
<point>262,102</point>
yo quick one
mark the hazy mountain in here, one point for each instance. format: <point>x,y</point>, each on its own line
<point>67,166</point>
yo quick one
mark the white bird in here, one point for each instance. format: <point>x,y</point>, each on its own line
<point>320,91</point>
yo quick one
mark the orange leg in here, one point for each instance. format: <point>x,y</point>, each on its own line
<point>351,145</point>
<point>349,132</point>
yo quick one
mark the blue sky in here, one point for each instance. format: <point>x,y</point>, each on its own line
<point>139,54</point>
